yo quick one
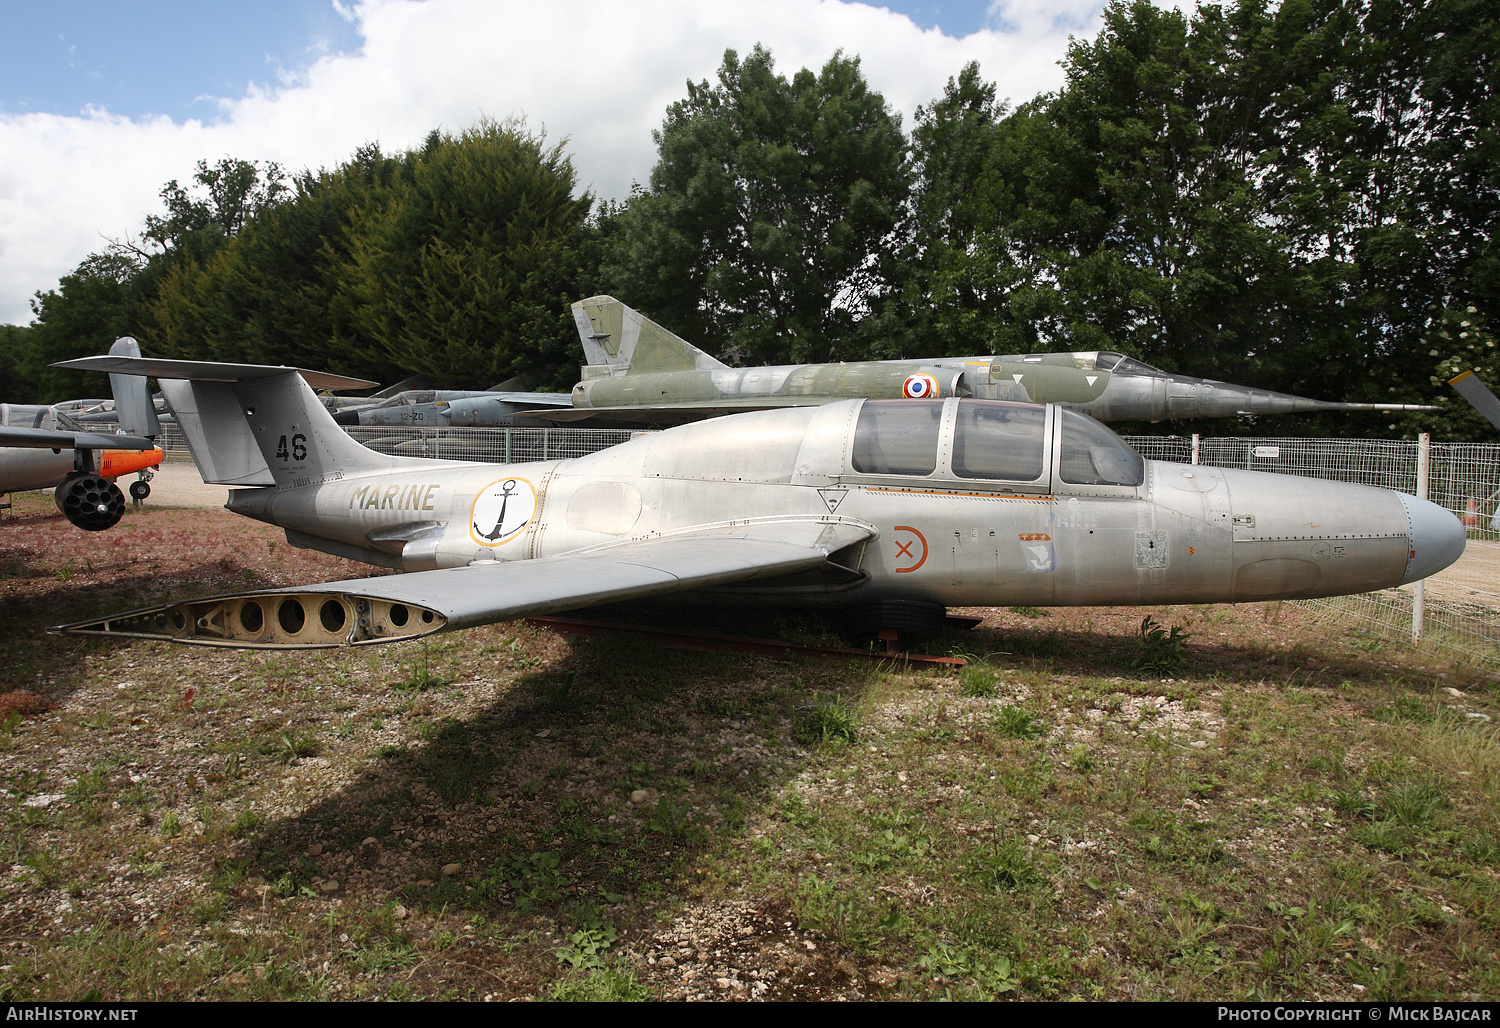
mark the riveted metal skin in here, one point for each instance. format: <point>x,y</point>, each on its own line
<point>845,505</point>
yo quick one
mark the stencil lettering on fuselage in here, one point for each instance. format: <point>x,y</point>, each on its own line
<point>1037,548</point>
<point>501,510</point>
<point>1074,515</point>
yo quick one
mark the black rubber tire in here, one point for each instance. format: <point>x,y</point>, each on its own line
<point>140,490</point>
<point>909,617</point>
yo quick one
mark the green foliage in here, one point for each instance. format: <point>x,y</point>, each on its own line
<point>615,984</point>
<point>978,681</point>
<point>1014,722</point>
<point>587,946</point>
<point>990,974</point>
<point>770,200</point>
<point>831,722</point>
<point>530,881</point>
<point>1161,651</point>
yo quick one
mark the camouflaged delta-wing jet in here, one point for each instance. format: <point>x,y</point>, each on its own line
<point>891,510</point>
<point>639,371</point>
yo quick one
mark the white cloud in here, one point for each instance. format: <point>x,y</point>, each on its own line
<point>599,72</point>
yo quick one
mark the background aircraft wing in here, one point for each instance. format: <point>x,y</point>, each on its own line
<point>383,609</point>
<point>1477,393</point>
<point>208,371</point>
<point>41,438</point>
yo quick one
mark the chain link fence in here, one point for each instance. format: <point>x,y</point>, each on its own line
<point>488,445</point>
<point>1461,612</point>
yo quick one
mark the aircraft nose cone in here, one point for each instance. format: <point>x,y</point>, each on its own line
<point>1437,538</point>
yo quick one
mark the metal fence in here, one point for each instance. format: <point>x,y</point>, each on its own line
<point>1459,609</point>
<point>491,445</point>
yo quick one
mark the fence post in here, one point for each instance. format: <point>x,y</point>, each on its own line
<point>507,446</point>
<point>1419,591</point>
<point>1196,440</point>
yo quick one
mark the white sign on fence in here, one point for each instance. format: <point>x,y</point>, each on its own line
<point>1266,451</point>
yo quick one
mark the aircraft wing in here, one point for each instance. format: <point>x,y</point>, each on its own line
<point>671,413</point>
<point>1477,393</point>
<point>44,439</point>
<point>208,371</point>
<point>392,607</point>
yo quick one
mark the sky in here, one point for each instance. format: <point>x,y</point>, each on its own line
<point>103,101</point>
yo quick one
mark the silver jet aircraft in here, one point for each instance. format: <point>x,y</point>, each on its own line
<point>42,447</point>
<point>638,371</point>
<point>892,510</point>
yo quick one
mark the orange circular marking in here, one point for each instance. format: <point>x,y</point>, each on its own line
<point>1192,550</point>
<point>904,549</point>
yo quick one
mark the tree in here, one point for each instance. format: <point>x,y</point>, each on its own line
<point>946,289</point>
<point>760,234</point>
<point>466,267</point>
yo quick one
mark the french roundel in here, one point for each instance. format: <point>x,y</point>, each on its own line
<point>920,386</point>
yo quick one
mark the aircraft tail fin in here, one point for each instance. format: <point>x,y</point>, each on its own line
<point>620,341</point>
<point>132,398</point>
<point>249,424</point>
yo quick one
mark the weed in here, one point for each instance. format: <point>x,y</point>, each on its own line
<point>616,984</point>
<point>1015,722</point>
<point>1160,652</point>
<point>1414,804</point>
<point>86,787</point>
<point>587,946</point>
<point>671,820</point>
<point>1030,612</point>
<point>889,847</point>
<point>171,827</point>
<point>991,976</point>
<point>978,681</point>
<point>831,722</point>
<point>1080,759</point>
<point>1007,866</point>
<point>529,881</point>
<point>288,747</point>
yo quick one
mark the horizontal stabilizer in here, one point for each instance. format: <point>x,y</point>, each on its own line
<point>372,610</point>
<point>43,439</point>
<point>208,371</point>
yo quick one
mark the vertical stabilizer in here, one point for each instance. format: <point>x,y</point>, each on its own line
<point>132,399</point>
<point>620,341</point>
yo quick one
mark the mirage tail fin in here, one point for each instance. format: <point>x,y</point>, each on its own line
<point>250,424</point>
<point>620,341</point>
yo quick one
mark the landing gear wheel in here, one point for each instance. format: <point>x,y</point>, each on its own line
<point>139,490</point>
<point>907,617</point>
<point>90,502</point>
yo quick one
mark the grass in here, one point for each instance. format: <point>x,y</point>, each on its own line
<point>1298,813</point>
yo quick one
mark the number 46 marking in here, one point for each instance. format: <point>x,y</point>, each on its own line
<point>298,451</point>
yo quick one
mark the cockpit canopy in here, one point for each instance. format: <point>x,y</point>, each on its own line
<point>1028,446</point>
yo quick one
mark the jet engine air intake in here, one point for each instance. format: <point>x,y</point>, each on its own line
<point>273,621</point>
